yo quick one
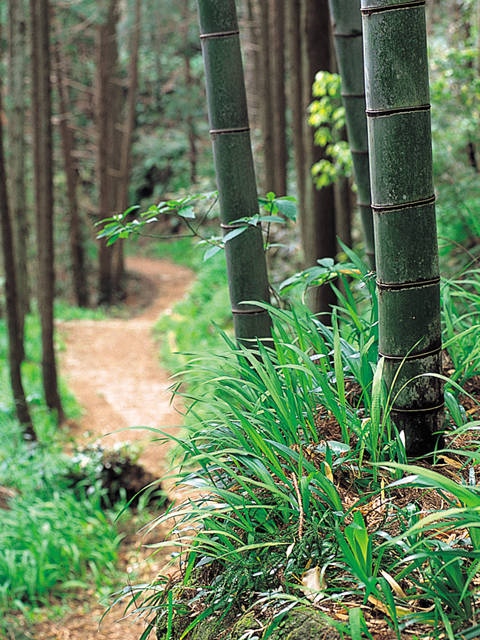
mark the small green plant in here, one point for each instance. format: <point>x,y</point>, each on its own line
<point>436,558</point>
<point>51,541</point>
<point>461,318</point>
<point>194,211</point>
<point>113,476</point>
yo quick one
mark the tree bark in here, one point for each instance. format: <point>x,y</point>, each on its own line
<point>108,92</point>
<point>126,136</point>
<point>43,174</point>
<point>76,233</point>
<point>295,99</point>
<point>189,120</point>
<point>15,338</point>
<point>318,223</point>
<point>403,203</point>
<point>266,96</point>
<point>228,117</point>
<point>16,109</point>
<point>343,210</point>
<point>276,42</point>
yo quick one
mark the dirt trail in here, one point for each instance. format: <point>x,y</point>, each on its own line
<point>112,368</point>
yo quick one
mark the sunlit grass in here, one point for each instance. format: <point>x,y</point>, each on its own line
<point>193,324</point>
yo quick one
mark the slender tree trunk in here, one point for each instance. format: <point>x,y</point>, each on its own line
<point>403,202</point>
<point>15,338</point>
<point>278,103</point>
<point>266,96</point>
<point>347,30</point>
<point>318,224</point>
<point>228,117</point>
<point>127,137</point>
<point>343,210</point>
<point>109,149</point>
<point>295,97</point>
<point>250,46</point>
<point>16,108</point>
<point>76,239</point>
<point>189,120</point>
<point>43,161</point>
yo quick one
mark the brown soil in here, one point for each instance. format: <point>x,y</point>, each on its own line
<point>112,368</point>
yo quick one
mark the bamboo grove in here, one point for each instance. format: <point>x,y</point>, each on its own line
<point>117,109</point>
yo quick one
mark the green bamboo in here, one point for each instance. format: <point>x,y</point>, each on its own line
<point>403,204</point>
<point>234,168</point>
<point>347,32</point>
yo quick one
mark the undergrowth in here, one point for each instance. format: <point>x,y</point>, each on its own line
<point>292,498</point>
<point>59,535</point>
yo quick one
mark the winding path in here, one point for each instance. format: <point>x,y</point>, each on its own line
<point>112,368</point>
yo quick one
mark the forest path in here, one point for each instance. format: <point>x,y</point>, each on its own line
<point>112,368</point>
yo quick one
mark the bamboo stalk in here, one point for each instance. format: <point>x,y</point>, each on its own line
<point>234,168</point>
<point>403,203</point>
<point>347,32</point>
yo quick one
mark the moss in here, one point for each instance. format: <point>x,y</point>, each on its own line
<point>305,623</point>
<point>300,624</point>
<point>211,628</point>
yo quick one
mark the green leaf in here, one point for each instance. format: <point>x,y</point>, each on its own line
<point>211,251</point>
<point>428,478</point>
<point>234,233</point>
<point>187,212</point>
<point>287,206</point>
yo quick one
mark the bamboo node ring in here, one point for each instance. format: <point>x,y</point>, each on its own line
<point>219,34</point>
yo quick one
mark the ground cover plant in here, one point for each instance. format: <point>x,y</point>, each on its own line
<point>59,533</point>
<point>295,513</point>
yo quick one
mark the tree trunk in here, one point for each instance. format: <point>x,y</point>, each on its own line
<point>15,338</point>
<point>295,97</point>
<point>318,223</point>
<point>398,110</point>
<point>43,173</point>
<point>126,137</point>
<point>343,210</point>
<point>266,96</point>
<point>228,117</point>
<point>250,37</point>
<point>347,31</point>
<point>76,239</point>
<point>109,149</point>
<point>16,108</point>
<point>276,42</point>
<point>189,120</point>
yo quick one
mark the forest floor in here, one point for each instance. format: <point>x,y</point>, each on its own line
<point>111,366</point>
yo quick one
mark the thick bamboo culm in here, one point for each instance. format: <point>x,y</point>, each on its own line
<point>234,168</point>
<point>403,203</point>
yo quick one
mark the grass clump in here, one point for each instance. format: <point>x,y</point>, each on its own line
<point>292,500</point>
<point>51,541</point>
